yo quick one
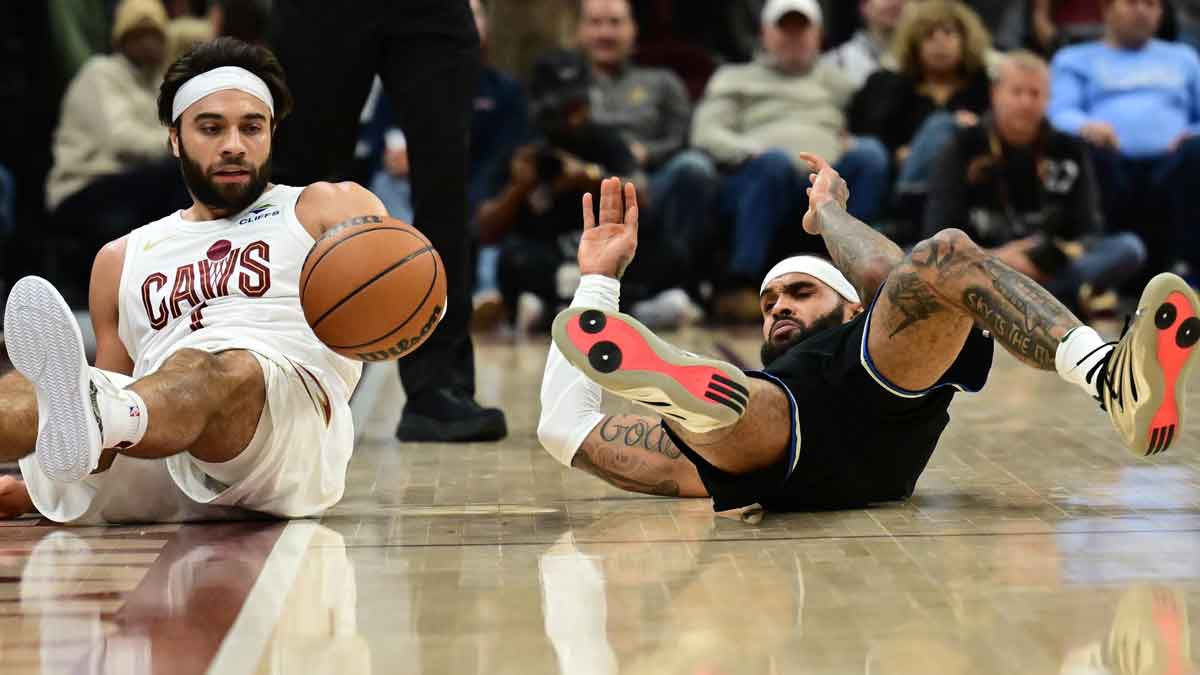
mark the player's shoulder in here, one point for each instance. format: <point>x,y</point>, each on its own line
<point>112,254</point>
<point>322,205</point>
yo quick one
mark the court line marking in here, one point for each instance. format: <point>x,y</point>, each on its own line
<point>243,646</point>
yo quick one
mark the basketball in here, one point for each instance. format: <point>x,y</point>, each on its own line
<point>373,289</point>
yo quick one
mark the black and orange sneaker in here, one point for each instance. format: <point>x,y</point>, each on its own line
<point>1143,380</point>
<point>621,355</point>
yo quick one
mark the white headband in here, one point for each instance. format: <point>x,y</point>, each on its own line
<point>815,267</point>
<point>220,79</point>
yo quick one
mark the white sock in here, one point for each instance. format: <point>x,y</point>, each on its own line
<point>1077,354</point>
<point>123,414</point>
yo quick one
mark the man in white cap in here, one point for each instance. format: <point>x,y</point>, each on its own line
<point>755,120</point>
<point>862,359</point>
<point>210,395</point>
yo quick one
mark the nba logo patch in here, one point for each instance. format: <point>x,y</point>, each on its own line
<point>134,411</point>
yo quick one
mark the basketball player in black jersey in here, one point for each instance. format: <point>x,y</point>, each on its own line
<point>857,381</point>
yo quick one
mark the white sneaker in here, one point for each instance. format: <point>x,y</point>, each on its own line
<point>1143,380</point>
<point>45,345</point>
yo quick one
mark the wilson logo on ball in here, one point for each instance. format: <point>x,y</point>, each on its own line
<point>405,344</point>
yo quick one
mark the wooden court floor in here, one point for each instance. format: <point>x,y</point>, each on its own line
<point>1034,544</point>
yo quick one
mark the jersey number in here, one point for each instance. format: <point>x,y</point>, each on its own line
<point>198,317</point>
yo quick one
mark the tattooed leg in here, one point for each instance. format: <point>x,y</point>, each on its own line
<point>945,285</point>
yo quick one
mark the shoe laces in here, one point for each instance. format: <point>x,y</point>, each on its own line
<point>1101,369</point>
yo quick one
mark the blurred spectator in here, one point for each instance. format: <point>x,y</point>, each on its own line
<point>941,83</point>
<point>755,119</point>
<point>1029,192</point>
<point>676,35</point>
<point>866,52</point>
<point>1136,100</point>
<point>78,29</point>
<point>1056,23</point>
<point>650,108</point>
<point>536,213</point>
<point>112,170</point>
<point>184,33</point>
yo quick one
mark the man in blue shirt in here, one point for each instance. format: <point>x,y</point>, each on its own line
<point>1136,100</point>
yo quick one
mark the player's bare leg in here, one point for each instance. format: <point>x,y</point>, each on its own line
<point>947,284</point>
<point>18,419</point>
<point>205,404</point>
<point>14,498</point>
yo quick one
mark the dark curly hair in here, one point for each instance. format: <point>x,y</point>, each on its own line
<point>225,51</point>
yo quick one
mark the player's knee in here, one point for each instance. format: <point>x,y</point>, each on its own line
<point>929,258</point>
<point>947,244</point>
<point>954,239</point>
<point>240,371</point>
<point>192,361</point>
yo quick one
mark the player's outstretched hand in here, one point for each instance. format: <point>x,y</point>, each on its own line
<point>608,248</point>
<point>827,186</point>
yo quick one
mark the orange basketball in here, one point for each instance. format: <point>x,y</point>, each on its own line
<point>373,288</point>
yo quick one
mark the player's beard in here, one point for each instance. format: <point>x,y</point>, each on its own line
<point>772,350</point>
<point>230,198</point>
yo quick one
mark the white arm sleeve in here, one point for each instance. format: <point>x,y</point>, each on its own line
<point>570,401</point>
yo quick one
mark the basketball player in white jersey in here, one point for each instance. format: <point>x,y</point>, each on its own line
<point>210,395</point>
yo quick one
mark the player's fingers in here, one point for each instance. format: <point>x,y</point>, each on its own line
<point>610,197</point>
<point>817,162</point>
<point>631,206</point>
<point>589,216</point>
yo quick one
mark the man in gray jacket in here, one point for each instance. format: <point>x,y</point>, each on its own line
<point>756,119</point>
<point>649,107</point>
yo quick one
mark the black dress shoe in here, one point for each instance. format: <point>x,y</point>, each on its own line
<point>449,416</point>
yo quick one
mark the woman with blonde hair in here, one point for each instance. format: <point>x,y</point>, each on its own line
<point>939,82</point>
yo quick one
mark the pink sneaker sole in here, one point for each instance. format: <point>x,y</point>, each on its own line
<point>624,357</point>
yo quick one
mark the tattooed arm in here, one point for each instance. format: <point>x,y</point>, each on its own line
<point>635,454</point>
<point>865,256</point>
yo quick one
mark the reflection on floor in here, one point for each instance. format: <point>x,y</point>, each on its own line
<point>1035,544</point>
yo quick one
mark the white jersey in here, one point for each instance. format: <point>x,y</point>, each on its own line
<point>232,283</point>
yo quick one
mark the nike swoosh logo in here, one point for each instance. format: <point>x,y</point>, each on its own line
<point>151,244</point>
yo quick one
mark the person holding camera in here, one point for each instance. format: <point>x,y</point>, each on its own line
<point>1029,193</point>
<point>532,216</point>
